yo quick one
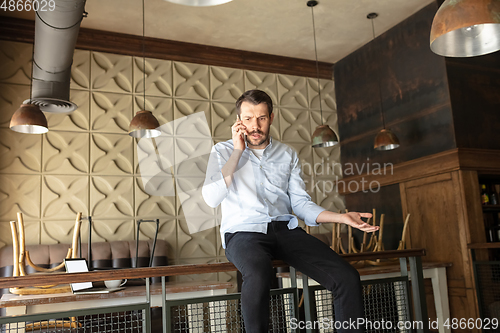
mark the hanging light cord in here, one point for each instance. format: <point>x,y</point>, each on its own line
<point>144,52</point>
<point>32,71</point>
<point>317,65</point>
<point>379,76</point>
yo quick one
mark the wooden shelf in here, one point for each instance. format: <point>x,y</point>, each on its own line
<point>494,245</point>
<point>491,208</point>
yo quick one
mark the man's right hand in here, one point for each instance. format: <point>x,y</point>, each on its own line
<point>238,130</point>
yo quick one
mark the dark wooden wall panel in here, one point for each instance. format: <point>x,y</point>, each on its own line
<point>386,201</point>
<point>414,90</point>
<point>475,96</point>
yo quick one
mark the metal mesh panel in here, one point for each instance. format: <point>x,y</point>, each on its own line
<point>385,303</point>
<point>81,321</point>
<point>224,315</point>
<point>488,286</point>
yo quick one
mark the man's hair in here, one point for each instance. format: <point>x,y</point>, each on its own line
<point>255,97</point>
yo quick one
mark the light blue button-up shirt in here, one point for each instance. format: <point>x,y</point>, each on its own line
<point>270,189</point>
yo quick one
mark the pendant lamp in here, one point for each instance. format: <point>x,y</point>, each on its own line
<point>199,3</point>
<point>144,124</point>
<point>385,139</point>
<point>466,28</point>
<point>323,135</point>
<point>29,118</point>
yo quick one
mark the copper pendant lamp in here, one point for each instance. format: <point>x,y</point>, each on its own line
<point>466,28</point>
<point>199,3</point>
<point>385,139</point>
<point>323,136</point>
<point>144,124</point>
<point>29,119</point>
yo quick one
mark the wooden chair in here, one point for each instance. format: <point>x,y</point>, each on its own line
<point>21,258</point>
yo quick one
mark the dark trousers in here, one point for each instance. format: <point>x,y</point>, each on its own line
<point>252,253</point>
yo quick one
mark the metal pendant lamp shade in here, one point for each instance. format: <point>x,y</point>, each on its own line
<point>29,119</point>
<point>200,3</point>
<point>144,125</point>
<point>386,140</point>
<point>323,136</point>
<point>466,28</point>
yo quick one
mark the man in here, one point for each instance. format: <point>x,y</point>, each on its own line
<point>257,182</point>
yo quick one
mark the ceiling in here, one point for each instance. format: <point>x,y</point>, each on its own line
<point>279,27</point>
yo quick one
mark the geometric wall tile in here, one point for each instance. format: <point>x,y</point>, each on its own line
<point>80,70</point>
<point>274,131</point>
<point>77,120</point>
<point>152,206</point>
<point>183,108</point>
<point>191,188</point>
<point>108,230</point>
<point>197,245</point>
<point>161,107</point>
<point>223,117</point>
<point>329,118</point>
<point>187,152</point>
<point>331,200</point>
<point>5,234</point>
<point>158,77</point>
<point>58,232</point>
<point>111,197</point>
<point>65,152</point>
<point>111,72</point>
<point>19,193</point>
<point>226,84</point>
<point>64,196</point>
<point>20,153</point>
<point>11,98</point>
<point>31,232</point>
<point>327,162</point>
<point>112,154</point>
<point>111,113</point>
<point>295,125</point>
<point>263,81</point>
<point>15,62</point>
<point>166,232</point>
<point>327,94</point>
<point>161,156</point>
<point>292,91</point>
<point>191,81</point>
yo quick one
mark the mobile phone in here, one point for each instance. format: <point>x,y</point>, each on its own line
<point>244,135</point>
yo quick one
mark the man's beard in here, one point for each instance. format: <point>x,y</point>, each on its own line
<point>258,143</point>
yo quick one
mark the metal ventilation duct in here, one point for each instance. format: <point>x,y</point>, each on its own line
<point>55,39</point>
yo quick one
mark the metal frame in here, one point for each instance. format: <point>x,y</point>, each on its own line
<point>157,221</point>
<point>476,279</point>
<point>144,307</point>
<point>169,304</point>
<point>417,285</point>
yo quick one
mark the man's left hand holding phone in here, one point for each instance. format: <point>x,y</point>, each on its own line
<point>238,133</point>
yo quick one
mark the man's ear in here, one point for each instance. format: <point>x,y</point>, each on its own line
<point>272,117</point>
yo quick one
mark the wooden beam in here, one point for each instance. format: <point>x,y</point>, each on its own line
<point>20,30</point>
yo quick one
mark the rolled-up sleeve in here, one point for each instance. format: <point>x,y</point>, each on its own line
<point>214,188</point>
<point>301,202</point>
